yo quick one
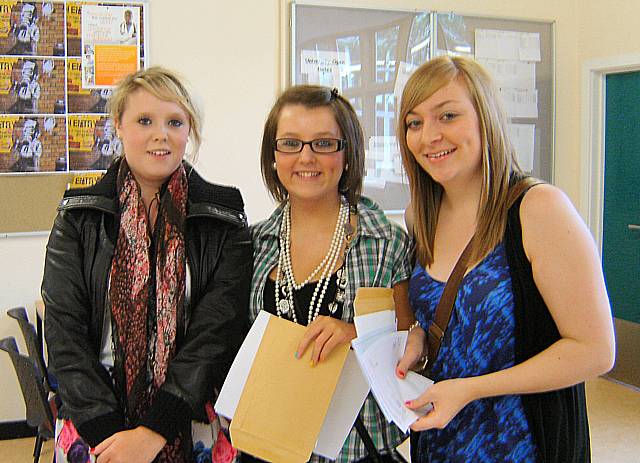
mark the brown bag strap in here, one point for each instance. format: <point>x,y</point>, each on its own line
<point>438,326</point>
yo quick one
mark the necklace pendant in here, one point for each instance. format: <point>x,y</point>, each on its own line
<point>284,289</point>
<point>339,296</point>
<point>284,306</point>
<point>333,307</point>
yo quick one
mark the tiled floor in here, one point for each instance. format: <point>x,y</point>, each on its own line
<point>614,414</point>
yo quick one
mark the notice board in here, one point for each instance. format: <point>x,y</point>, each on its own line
<point>369,54</point>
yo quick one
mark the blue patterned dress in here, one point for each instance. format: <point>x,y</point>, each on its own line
<point>479,340</point>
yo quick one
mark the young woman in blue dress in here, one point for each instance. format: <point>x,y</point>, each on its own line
<point>532,319</point>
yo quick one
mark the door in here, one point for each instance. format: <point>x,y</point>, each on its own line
<point>621,220</point>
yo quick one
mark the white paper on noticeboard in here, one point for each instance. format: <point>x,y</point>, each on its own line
<point>529,46</point>
<point>497,44</point>
<point>522,137</point>
<point>520,102</point>
<point>511,74</point>
<point>323,67</point>
<point>507,45</point>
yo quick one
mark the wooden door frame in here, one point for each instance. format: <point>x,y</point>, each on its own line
<point>594,73</point>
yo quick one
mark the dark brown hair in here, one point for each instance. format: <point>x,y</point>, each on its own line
<point>315,96</point>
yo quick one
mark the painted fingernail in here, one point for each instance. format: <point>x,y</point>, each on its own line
<point>92,450</point>
<point>295,354</point>
<point>312,363</point>
<point>408,403</point>
<point>401,373</point>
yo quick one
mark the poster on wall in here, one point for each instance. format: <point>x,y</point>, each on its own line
<point>32,144</point>
<point>31,28</point>
<point>59,62</point>
<point>110,44</point>
<point>93,143</point>
<point>31,85</point>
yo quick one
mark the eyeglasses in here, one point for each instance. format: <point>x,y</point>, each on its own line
<point>319,145</point>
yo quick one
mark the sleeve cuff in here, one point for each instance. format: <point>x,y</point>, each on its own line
<point>98,429</point>
<point>167,416</point>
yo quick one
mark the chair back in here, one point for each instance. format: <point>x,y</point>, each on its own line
<point>39,412</point>
<point>34,345</point>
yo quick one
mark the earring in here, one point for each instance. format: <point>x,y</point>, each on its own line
<point>273,166</point>
<point>346,167</point>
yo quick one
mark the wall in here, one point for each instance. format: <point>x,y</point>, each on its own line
<point>230,53</point>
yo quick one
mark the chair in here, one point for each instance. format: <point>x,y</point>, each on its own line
<point>34,345</point>
<point>39,412</point>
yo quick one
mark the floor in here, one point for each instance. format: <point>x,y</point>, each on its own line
<point>614,415</point>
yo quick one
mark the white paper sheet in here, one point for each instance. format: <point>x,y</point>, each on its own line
<point>378,360</point>
<point>507,45</point>
<point>371,322</point>
<point>351,391</point>
<point>519,102</point>
<point>497,44</point>
<point>511,74</point>
<point>239,372</point>
<point>323,67</point>
<point>529,48</point>
<point>523,139</point>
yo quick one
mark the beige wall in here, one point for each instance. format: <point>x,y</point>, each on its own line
<point>230,53</point>
<point>608,28</point>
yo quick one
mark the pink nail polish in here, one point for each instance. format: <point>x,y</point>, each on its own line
<point>407,403</point>
<point>401,373</point>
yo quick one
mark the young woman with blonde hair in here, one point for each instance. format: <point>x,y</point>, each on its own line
<point>532,319</point>
<point>146,286</point>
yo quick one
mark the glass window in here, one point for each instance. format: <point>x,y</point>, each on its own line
<point>385,115</point>
<point>386,46</point>
<point>351,73</point>
<point>356,102</point>
<point>419,40</point>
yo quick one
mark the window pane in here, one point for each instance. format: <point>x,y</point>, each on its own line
<point>356,102</point>
<point>419,40</point>
<point>385,115</point>
<point>386,46</point>
<point>350,75</point>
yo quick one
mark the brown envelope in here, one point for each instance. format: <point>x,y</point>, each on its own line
<point>285,400</point>
<point>370,300</point>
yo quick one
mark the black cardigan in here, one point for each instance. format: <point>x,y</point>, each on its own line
<point>557,419</point>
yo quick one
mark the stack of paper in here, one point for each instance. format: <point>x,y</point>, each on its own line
<point>379,348</point>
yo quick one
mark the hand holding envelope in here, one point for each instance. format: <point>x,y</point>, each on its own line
<point>281,408</point>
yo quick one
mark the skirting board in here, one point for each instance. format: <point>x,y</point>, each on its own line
<point>16,430</point>
<point>627,366</point>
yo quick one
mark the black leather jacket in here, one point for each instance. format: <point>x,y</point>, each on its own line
<point>74,290</point>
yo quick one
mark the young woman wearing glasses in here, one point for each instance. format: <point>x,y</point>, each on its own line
<point>324,240</point>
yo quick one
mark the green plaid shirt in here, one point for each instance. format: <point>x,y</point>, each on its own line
<point>378,256</point>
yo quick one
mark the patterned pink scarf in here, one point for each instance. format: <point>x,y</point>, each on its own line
<point>147,317</point>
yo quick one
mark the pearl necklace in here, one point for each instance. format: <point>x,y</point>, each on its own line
<point>325,268</point>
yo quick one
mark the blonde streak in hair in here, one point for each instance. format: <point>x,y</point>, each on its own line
<point>493,218</point>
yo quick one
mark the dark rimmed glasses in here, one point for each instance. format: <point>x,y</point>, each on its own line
<point>319,145</point>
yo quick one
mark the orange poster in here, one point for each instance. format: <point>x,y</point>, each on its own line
<point>113,62</point>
